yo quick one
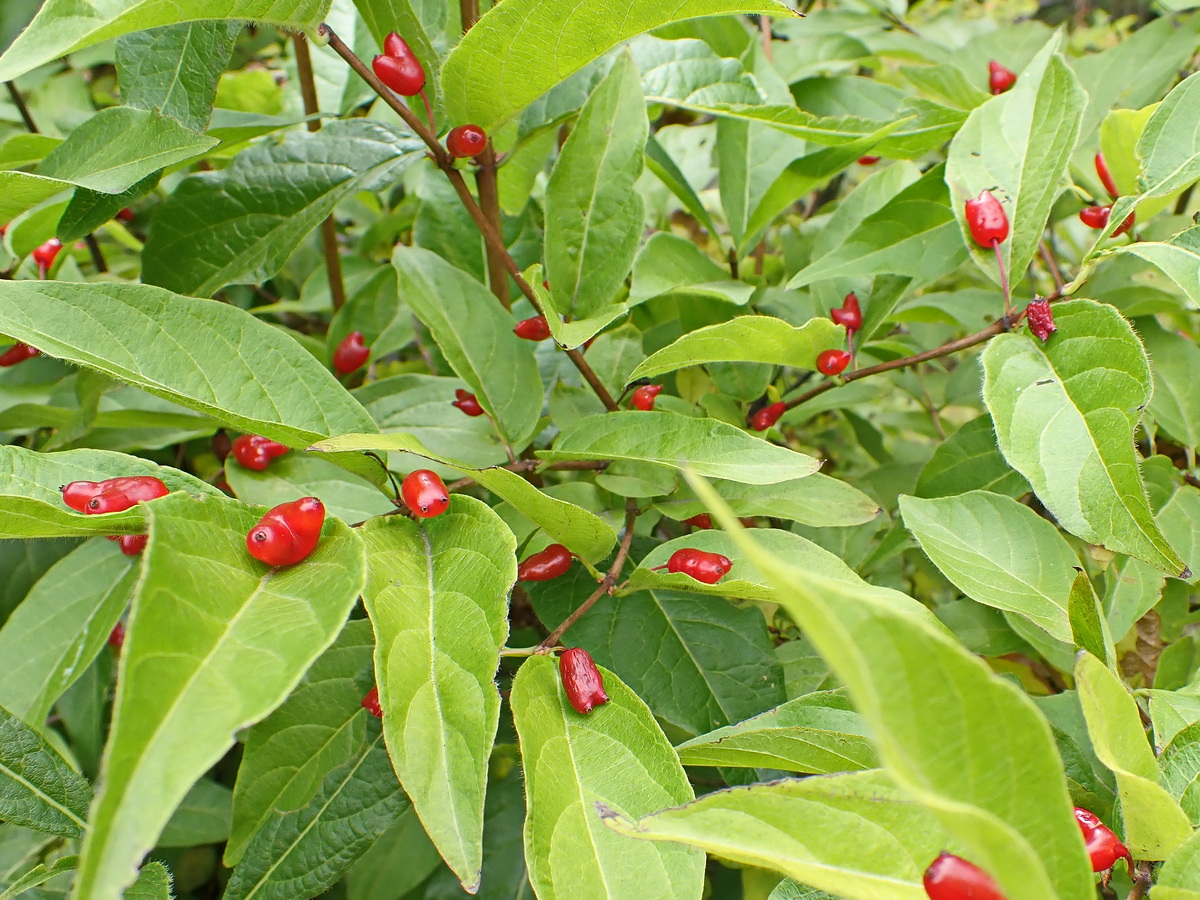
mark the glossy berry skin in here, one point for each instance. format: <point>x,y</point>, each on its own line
<point>987,220</point>
<point>535,328</point>
<point>1105,176</point>
<point>705,567</point>
<point>45,254</point>
<point>287,533</point>
<point>467,402</point>
<point>425,494</point>
<point>1103,846</point>
<point>951,877</point>
<point>78,493</point>
<point>116,637</point>
<point>581,680</point>
<point>466,141</point>
<point>403,75</point>
<point>126,215</point>
<point>115,494</point>
<point>833,362</point>
<point>370,703</point>
<point>1041,319</point>
<point>868,160</point>
<point>351,353</point>
<point>1095,216</point>
<point>253,451</point>
<point>702,521</point>
<point>768,416</point>
<point>1000,78</point>
<point>644,397</point>
<point>133,544</point>
<point>545,565</point>
<point>17,353</point>
<point>849,314</point>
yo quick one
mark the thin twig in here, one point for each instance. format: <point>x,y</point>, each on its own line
<point>1141,883</point>
<point>998,327</point>
<point>444,161</point>
<point>528,466</point>
<point>606,584</point>
<point>98,259</point>
<point>489,201</point>
<point>312,109</point>
<point>21,107</point>
<point>1052,265</point>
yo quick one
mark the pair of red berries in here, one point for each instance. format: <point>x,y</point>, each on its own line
<point>253,451</point>
<point>17,353</point>
<point>112,495</point>
<point>545,565</point>
<point>535,328</point>
<point>287,533</point>
<point>643,398</point>
<point>467,402</point>
<point>398,67</point>
<point>351,353</point>
<point>849,314</point>
<point>705,567</point>
<point>1097,216</point>
<point>582,681</point>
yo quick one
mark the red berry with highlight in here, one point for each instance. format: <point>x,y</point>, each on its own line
<point>546,564</point>
<point>45,254</point>
<point>987,220</point>
<point>126,215</point>
<point>120,494</point>
<point>1095,216</point>
<point>833,362</point>
<point>466,141</point>
<point>849,314</point>
<point>1000,78</point>
<point>702,521</point>
<point>133,544</point>
<point>1106,178</point>
<point>644,397</point>
<point>78,493</point>
<point>951,877</point>
<point>253,451</point>
<point>287,533</point>
<point>351,353</point>
<point>581,680</point>
<point>404,75</point>
<point>467,402</point>
<point>768,416</point>
<point>17,353</point>
<point>370,703</point>
<point>1103,846</point>
<point>425,494</point>
<point>705,567</point>
<point>535,328</point>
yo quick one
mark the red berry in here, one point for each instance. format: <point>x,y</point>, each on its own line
<point>1041,319</point>
<point>1106,178</point>
<point>705,567</point>
<point>253,451</point>
<point>116,637</point>
<point>133,544</point>
<point>545,565</point>
<point>1104,848</point>
<point>466,141</point>
<point>371,703</point>
<point>425,494</point>
<point>351,353</point>
<point>126,215</point>
<point>767,416</point>
<point>644,397</point>
<point>287,533</point>
<point>987,220</point>
<point>394,45</point>
<point>833,362</point>
<point>1095,216</point>
<point>535,328</point>
<point>17,353</point>
<point>1124,226</point>
<point>467,402</point>
<point>1000,79</point>
<point>78,493</point>
<point>404,75</point>
<point>951,877</point>
<point>119,494</point>
<point>581,680</point>
<point>701,521</point>
<point>868,160</point>
<point>849,314</point>
<point>45,255</point>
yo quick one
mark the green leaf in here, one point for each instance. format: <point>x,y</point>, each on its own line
<point>998,552</point>
<point>1089,627</point>
<point>191,676</point>
<point>350,498</point>
<point>62,26</point>
<point>913,235</point>
<point>39,874</point>
<point>1064,414</point>
<point>583,532</point>
<point>1169,147</point>
<point>317,730</point>
<point>272,196</point>
<point>119,146</point>
<point>38,789</point>
<point>53,636</point>
<point>958,738</point>
<point>475,334</point>
<point>817,500</point>
<point>175,69</point>
<point>437,595</point>
<point>698,664</point>
<point>203,817</point>
<point>616,757</point>
<point>403,857</point>
<point>489,77</point>
<point>1179,764</point>
<point>668,172</point>
<point>1040,122</point>
<point>670,264</point>
<point>669,439</point>
<point>594,217</point>
<point>211,356</point>
<point>690,70</point>
<point>1175,405</point>
<point>970,460</point>
<point>1179,878</point>
<point>302,853</point>
<point>1155,826</point>
<point>761,339</point>
<point>1179,258</point>
<point>816,734</point>
<point>154,882</point>
<point>857,834</point>
<point>1179,519</point>
<point>21,191</point>
<point>88,209</point>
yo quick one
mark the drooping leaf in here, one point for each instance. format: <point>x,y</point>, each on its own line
<point>617,757</point>
<point>192,675</point>
<point>437,595</point>
<point>1064,414</point>
<point>210,356</point>
<point>1089,627</point>
<point>38,789</point>
<point>817,500</point>
<point>154,882</point>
